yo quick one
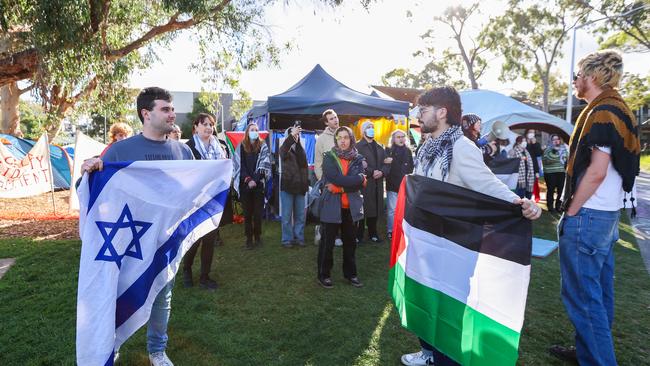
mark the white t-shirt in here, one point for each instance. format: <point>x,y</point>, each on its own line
<point>609,195</point>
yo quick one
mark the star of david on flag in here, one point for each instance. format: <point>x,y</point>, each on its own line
<point>108,252</point>
<point>136,221</point>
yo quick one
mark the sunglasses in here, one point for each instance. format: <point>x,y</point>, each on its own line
<point>576,76</point>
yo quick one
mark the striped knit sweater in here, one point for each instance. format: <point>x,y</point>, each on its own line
<point>607,121</point>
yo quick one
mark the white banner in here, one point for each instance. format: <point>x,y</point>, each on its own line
<point>84,148</point>
<point>27,177</point>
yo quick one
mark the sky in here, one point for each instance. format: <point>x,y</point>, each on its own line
<point>356,46</point>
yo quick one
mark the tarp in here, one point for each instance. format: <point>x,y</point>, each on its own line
<point>318,91</point>
<point>61,162</point>
<point>492,106</point>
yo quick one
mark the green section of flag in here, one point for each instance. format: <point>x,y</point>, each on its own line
<point>457,330</point>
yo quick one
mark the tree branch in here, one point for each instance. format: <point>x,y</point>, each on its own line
<point>19,66</point>
<point>172,25</point>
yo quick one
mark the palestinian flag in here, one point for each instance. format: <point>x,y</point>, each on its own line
<point>234,138</point>
<point>506,169</point>
<point>459,270</point>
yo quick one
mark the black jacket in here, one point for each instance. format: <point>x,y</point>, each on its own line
<point>294,178</point>
<point>373,194</point>
<point>402,164</point>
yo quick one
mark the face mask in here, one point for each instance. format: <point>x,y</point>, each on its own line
<point>370,132</point>
<point>523,145</point>
<point>530,135</point>
<point>253,135</point>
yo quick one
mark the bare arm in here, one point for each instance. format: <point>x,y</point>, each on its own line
<point>590,182</point>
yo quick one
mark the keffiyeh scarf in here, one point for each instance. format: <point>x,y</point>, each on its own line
<point>210,152</point>
<point>440,148</point>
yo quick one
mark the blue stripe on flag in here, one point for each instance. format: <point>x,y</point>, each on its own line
<point>135,296</point>
<point>98,180</point>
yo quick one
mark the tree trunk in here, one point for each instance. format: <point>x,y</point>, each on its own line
<point>9,114</point>
<point>545,93</point>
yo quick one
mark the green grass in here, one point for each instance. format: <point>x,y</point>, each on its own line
<point>645,162</point>
<point>270,311</point>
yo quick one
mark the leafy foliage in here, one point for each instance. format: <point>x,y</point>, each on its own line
<point>76,51</point>
<point>636,90</point>
<point>530,37</point>
<point>626,25</point>
<point>32,119</point>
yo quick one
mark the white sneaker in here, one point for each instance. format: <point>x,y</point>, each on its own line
<point>417,359</point>
<point>338,242</point>
<point>160,359</point>
<point>317,235</point>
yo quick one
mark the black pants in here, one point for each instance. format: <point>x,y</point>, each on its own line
<point>440,358</point>
<point>326,247</point>
<point>207,253</point>
<point>253,204</point>
<point>372,227</point>
<point>554,183</point>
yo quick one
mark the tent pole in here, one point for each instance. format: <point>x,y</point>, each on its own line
<point>49,160</point>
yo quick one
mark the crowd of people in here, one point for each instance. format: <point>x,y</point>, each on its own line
<point>594,173</point>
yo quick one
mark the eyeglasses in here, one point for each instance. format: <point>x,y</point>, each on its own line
<point>576,76</point>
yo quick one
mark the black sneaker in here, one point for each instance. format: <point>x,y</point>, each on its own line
<point>326,282</point>
<point>187,279</point>
<point>208,284</point>
<point>564,353</point>
<point>354,281</point>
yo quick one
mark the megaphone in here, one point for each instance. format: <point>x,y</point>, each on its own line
<point>499,130</point>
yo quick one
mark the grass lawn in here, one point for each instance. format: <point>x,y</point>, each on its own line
<point>270,311</point>
<point>645,162</point>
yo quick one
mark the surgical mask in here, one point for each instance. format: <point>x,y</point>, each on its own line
<point>523,145</point>
<point>370,132</point>
<point>530,135</point>
<point>253,135</point>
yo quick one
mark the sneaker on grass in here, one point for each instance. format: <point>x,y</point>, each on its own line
<point>338,242</point>
<point>160,359</point>
<point>417,359</point>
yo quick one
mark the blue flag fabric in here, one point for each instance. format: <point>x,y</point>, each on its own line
<point>137,220</point>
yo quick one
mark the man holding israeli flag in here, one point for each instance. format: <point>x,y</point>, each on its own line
<point>139,214</point>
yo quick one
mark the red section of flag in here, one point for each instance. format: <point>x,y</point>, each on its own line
<point>236,137</point>
<point>398,243</point>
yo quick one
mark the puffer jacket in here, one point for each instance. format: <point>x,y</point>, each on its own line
<point>330,203</point>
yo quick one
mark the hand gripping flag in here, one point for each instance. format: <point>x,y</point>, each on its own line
<point>459,270</point>
<point>136,222</point>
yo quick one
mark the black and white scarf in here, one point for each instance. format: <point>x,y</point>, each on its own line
<point>442,147</point>
<point>211,151</point>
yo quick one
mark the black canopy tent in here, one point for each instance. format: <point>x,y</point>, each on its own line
<point>318,91</point>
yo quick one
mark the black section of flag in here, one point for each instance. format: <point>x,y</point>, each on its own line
<point>473,220</point>
<point>504,165</point>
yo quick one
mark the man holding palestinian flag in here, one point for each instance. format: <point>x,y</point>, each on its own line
<point>460,261</point>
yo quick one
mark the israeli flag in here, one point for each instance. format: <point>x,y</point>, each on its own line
<point>136,221</point>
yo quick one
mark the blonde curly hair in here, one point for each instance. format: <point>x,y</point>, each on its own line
<point>605,66</point>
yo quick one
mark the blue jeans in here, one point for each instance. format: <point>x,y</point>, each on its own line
<point>292,205</point>
<point>157,327</point>
<point>391,202</point>
<point>587,268</point>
